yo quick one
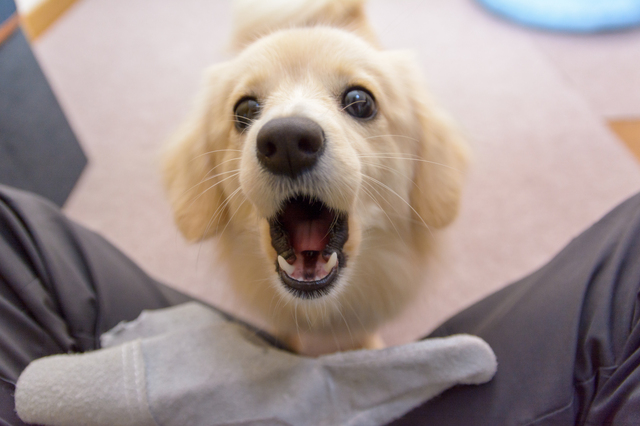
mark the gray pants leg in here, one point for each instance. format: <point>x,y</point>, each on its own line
<point>61,287</point>
<point>567,339</point>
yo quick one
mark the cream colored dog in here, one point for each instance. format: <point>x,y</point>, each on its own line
<point>323,168</point>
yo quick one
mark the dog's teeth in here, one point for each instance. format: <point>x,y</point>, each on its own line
<point>285,266</point>
<point>331,262</point>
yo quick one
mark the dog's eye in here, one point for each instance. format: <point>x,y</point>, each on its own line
<point>246,111</point>
<point>359,103</point>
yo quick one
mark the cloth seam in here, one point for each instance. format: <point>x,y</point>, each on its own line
<point>136,374</point>
<point>550,415</point>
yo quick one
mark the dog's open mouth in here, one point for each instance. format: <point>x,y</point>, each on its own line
<point>309,238</point>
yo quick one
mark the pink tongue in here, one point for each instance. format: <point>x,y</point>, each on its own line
<point>309,235</point>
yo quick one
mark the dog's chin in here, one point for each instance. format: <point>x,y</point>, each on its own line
<point>309,238</point>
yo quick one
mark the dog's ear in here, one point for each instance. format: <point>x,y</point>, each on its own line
<point>439,174</point>
<point>190,162</point>
<point>441,152</point>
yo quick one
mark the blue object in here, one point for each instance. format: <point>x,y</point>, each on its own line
<point>570,15</point>
<point>7,9</point>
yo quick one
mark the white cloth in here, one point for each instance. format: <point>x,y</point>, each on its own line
<point>189,365</point>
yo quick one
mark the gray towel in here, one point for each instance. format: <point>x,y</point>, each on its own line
<point>188,365</point>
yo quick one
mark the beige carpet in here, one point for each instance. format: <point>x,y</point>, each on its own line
<point>533,105</point>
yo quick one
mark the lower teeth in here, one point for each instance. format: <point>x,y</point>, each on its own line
<point>284,265</point>
<point>289,269</point>
<point>331,262</point>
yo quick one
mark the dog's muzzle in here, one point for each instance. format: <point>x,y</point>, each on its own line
<point>308,236</point>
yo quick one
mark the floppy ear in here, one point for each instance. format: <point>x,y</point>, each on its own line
<point>441,151</point>
<point>190,162</point>
<point>439,176</point>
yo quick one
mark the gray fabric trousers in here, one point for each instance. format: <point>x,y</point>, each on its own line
<point>566,337</point>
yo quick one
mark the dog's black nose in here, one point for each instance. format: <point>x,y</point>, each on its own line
<point>290,145</point>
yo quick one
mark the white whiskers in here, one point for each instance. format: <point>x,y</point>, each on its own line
<point>377,182</point>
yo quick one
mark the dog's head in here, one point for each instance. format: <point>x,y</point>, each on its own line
<point>308,146</point>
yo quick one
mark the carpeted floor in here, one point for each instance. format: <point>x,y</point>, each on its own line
<point>534,107</point>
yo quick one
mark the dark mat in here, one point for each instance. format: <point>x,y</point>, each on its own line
<point>38,149</point>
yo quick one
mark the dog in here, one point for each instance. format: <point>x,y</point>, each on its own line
<point>323,168</point>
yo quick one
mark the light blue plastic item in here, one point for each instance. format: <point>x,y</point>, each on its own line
<point>570,15</point>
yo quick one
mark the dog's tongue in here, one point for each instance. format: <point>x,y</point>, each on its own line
<point>309,235</point>
<point>308,226</point>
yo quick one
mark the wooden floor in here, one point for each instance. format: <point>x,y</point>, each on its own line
<point>629,132</point>
<point>42,16</point>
